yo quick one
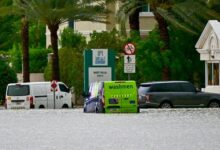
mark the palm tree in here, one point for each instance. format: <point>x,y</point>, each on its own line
<point>130,6</point>
<point>55,12</point>
<point>163,28</point>
<point>14,10</point>
<point>130,11</point>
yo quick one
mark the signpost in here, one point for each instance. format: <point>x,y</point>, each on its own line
<point>54,88</point>
<point>129,59</point>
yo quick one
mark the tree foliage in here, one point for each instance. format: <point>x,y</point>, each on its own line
<point>105,39</point>
<point>38,59</point>
<point>37,35</point>
<point>71,60</point>
<point>71,68</point>
<point>9,27</point>
<point>182,58</point>
<point>149,58</point>
<point>7,75</point>
<point>185,62</point>
<point>189,15</point>
<point>72,39</point>
<point>8,30</point>
<point>54,12</point>
<point>15,58</point>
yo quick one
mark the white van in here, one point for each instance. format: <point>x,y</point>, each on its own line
<point>37,95</point>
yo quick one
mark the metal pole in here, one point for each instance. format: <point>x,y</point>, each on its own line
<point>54,98</point>
<point>129,76</point>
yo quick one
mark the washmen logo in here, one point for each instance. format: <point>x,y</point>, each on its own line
<point>120,87</point>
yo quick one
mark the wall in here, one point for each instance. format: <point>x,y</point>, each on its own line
<point>34,77</point>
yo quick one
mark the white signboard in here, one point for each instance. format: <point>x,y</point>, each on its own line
<point>129,68</point>
<point>100,57</point>
<point>129,64</point>
<point>129,59</point>
<point>100,74</point>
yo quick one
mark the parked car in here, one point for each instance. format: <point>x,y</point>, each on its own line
<point>168,94</point>
<point>93,99</point>
<point>112,97</point>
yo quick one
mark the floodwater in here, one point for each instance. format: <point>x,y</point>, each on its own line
<point>151,129</point>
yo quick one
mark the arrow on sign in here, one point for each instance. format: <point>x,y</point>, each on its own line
<point>129,60</point>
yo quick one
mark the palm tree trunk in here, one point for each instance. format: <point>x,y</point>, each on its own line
<point>164,34</point>
<point>55,63</point>
<point>134,21</point>
<point>25,48</point>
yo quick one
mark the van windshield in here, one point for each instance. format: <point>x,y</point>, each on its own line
<point>18,90</point>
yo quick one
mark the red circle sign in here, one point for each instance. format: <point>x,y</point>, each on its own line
<point>53,84</point>
<point>129,49</point>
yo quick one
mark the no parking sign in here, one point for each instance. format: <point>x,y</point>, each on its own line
<point>53,84</point>
<point>129,49</point>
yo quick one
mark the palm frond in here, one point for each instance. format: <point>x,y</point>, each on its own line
<point>189,15</point>
<point>58,11</point>
<point>174,21</point>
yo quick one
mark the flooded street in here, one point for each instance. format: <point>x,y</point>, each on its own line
<point>151,129</point>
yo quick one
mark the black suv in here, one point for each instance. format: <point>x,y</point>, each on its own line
<point>167,94</point>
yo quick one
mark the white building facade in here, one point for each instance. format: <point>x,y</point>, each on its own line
<point>208,47</point>
<point>146,18</point>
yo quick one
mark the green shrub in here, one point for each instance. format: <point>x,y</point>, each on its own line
<point>185,64</point>
<point>71,39</point>
<point>7,75</point>
<point>71,69</point>
<point>37,59</point>
<point>70,61</point>
<point>182,58</point>
<point>149,60</point>
<point>16,58</point>
<point>105,39</point>
<point>37,36</point>
<point>48,72</point>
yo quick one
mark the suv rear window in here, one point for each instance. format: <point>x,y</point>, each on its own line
<point>18,90</point>
<point>143,89</point>
<point>159,88</point>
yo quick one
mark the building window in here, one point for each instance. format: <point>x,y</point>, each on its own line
<point>145,8</point>
<point>71,24</point>
<point>213,73</point>
<point>146,11</point>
